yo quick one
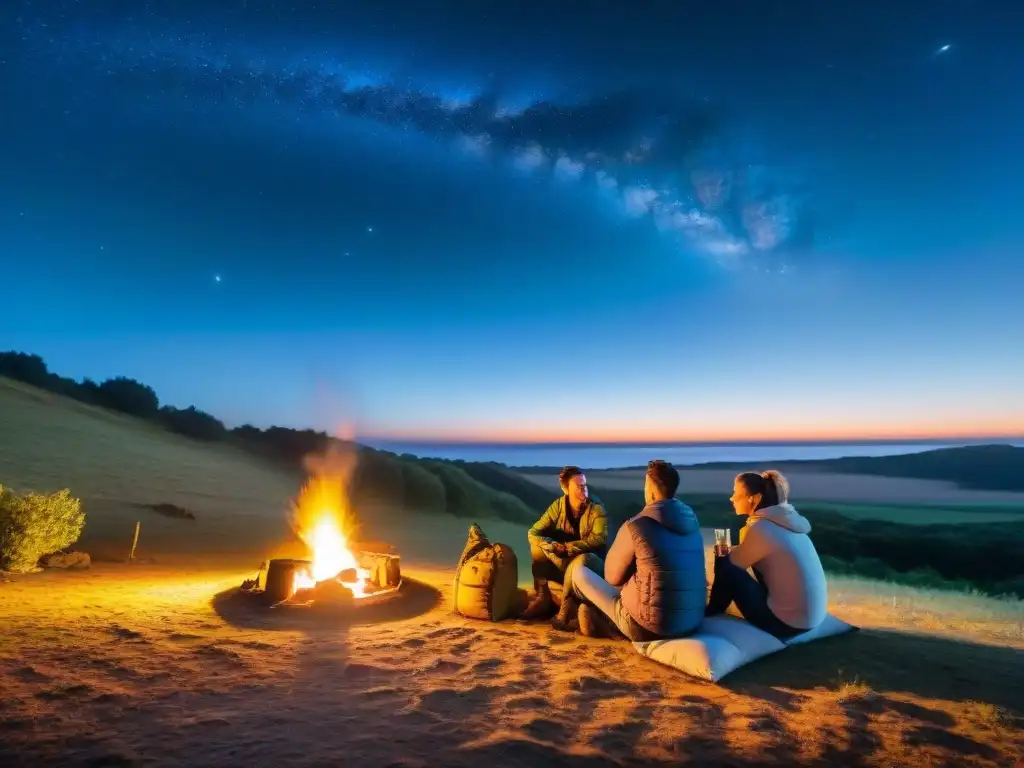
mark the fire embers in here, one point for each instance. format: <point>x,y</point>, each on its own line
<point>290,582</point>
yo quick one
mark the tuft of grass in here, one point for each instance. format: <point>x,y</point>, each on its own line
<point>852,689</point>
<point>991,716</point>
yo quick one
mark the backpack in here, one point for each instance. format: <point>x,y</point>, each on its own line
<point>486,579</point>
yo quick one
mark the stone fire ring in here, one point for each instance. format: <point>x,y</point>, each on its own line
<point>274,586</point>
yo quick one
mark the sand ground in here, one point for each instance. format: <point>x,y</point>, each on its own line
<point>162,664</point>
<point>157,664</point>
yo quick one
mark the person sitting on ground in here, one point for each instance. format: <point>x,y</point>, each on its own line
<point>787,595</point>
<point>654,583</point>
<point>575,526</point>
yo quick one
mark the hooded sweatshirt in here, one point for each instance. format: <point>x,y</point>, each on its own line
<point>658,560</point>
<point>775,543</point>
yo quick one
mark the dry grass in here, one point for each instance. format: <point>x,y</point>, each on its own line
<point>157,664</point>
<point>115,464</point>
<point>998,620</point>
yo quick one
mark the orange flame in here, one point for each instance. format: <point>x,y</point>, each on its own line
<point>323,519</point>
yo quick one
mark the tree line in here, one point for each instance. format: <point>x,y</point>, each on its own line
<point>406,481</point>
<point>982,555</point>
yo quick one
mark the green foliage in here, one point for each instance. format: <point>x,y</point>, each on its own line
<point>191,422</point>
<point>287,446</point>
<point>501,478</point>
<point>36,524</point>
<point>505,506</point>
<point>870,568</point>
<point>378,479</point>
<point>30,369</point>
<point>463,495</point>
<point>129,396</point>
<point>424,491</point>
<point>985,555</point>
<point>469,498</point>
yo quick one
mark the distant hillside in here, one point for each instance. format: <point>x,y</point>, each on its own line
<point>380,477</point>
<point>116,461</point>
<point>975,467</point>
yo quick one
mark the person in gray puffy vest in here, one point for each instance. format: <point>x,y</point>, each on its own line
<point>654,584</point>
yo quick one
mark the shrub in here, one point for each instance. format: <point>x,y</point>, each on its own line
<point>36,524</point>
<point>129,396</point>
<point>30,369</point>
<point>191,422</point>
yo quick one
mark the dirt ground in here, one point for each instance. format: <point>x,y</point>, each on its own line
<point>159,663</point>
<point>163,664</point>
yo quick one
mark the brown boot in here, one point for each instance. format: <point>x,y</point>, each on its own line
<point>541,606</point>
<point>593,623</point>
<point>566,617</point>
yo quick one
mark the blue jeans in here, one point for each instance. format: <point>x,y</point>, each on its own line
<point>733,584</point>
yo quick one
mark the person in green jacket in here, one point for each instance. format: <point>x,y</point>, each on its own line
<point>574,526</point>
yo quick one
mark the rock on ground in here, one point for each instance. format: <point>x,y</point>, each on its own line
<point>66,560</point>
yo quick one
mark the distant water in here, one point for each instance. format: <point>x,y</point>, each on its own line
<point>612,456</point>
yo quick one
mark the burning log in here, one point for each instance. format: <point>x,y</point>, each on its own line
<point>281,579</point>
<point>291,582</point>
<point>332,593</point>
<point>385,571</point>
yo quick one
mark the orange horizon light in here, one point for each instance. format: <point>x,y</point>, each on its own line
<point>527,435</point>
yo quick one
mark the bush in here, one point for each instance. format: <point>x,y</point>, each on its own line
<point>191,422</point>
<point>30,369</point>
<point>36,524</point>
<point>129,396</point>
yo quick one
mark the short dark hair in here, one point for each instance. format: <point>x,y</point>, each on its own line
<point>567,474</point>
<point>664,476</point>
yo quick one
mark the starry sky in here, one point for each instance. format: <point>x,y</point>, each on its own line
<point>524,220</point>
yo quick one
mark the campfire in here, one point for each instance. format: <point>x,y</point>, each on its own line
<point>336,571</point>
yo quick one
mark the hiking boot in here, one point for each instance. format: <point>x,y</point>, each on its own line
<point>541,606</point>
<point>593,623</point>
<point>566,614</point>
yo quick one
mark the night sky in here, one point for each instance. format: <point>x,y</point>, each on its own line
<point>524,220</point>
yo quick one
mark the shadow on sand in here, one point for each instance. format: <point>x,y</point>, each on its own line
<point>886,661</point>
<point>239,609</point>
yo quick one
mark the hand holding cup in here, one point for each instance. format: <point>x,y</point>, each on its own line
<point>722,543</point>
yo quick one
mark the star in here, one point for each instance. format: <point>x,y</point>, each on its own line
<point>216,278</point>
<point>370,230</point>
<point>944,48</point>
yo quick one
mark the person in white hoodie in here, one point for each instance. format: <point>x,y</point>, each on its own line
<point>787,593</point>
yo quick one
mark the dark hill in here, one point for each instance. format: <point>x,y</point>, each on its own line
<point>977,467</point>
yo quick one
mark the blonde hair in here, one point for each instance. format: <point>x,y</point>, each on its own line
<point>777,479</point>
